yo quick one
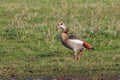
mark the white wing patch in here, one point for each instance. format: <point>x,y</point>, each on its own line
<point>77,41</point>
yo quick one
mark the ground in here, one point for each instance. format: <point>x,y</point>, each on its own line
<point>30,46</point>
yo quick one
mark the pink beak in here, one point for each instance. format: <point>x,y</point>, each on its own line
<point>58,26</point>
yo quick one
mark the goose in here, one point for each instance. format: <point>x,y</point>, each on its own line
<point>72,42</point>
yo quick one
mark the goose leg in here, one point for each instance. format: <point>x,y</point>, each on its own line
<point>79,55</point>
<point>75,56</point>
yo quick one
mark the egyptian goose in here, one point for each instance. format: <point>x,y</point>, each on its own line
<point>72,42</point>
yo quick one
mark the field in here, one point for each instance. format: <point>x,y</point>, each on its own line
<point>30,44</point>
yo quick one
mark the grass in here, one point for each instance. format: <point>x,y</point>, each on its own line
<point>30,44</point>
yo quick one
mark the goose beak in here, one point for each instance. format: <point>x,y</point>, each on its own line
<point>58,26</point>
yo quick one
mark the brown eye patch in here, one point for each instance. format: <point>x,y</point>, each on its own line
<point>61,24</point>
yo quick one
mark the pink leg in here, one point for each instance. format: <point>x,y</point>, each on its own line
<point>79,55</point>
<point>75,56</point>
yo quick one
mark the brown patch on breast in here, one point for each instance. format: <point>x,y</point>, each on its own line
<point>64,40</point>
<point>64,36</point>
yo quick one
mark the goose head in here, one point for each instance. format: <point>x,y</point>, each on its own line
<point>62,26</point>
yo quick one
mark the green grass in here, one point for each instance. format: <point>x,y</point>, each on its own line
<point>30,44</point>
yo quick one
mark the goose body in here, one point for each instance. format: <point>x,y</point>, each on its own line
<point>72,42</point>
